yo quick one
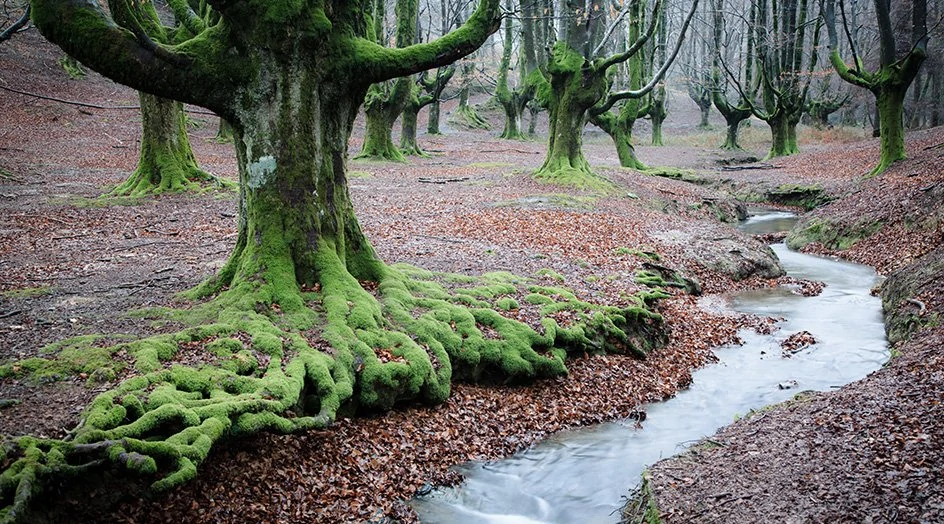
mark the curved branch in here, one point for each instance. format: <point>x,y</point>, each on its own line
<point>376,63</point>
<point>657,77</point>
<point>190,72</point>
<point>641,41</point>
<point>10,31</point>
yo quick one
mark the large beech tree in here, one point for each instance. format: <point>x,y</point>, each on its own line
<point>577,81</point>
<point>303,320</point>
<point>897,70</point>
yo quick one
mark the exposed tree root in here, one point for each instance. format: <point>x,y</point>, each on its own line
<point>275,356</point>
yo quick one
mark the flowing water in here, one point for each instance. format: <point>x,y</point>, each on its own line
<point>581,475</point>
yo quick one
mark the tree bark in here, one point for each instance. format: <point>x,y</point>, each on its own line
<point>166,162</point>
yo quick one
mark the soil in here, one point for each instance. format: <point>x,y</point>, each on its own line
<point>73,264</point>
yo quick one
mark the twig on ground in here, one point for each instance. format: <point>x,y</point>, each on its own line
<point>442,180</point>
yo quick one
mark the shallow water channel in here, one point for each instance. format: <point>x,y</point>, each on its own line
<point>581,475</point>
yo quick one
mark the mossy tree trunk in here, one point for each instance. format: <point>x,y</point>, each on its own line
<point>890,83</point>
<point>224,133</point>
<point>783,137</point>
<point>466,115</point>
<point>166,161</point>
<point>432,87</point>
<point>281,72</point>
<point>734,114</point>
<point>575,86</point>
<point>432,125</point>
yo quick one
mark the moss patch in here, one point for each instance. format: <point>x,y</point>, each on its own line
<point>806,197</point>
<point>830,234</point>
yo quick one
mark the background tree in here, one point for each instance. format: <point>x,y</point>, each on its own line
<point>658,102</point>
<point>577,81</point>
<point>696,63</point>
<point>386,100</point>
<point>741,42</point>
<point>427,89</point>
<point>166,161</point>
<point>785,63</point>
<point>514,100</point>
<point>899,64</point>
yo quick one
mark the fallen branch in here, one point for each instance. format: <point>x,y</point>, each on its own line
<point>9,314</point>
<point>921,306</point>
<point>143,244</point>
<point>442,180</point>
<point>511,151</point>
<point>745,168</point>
<point>93,106</point>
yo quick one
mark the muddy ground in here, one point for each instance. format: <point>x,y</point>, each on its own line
<point>73,264</point>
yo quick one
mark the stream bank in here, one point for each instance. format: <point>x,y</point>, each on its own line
<point>871,451</point>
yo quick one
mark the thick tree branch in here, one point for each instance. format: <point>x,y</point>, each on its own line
<point>376,63</point>
<point>190,72</point>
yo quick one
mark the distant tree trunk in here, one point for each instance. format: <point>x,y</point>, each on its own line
<point>432,126</point>
<point>384,101</point>
<point>166,162</point>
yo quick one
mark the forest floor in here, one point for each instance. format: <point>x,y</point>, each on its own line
<point>73,264</point>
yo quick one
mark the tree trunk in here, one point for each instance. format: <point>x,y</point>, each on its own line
<point>783,137</point>
<point>512,130</point>
<point>534,110</point>
<point>890,102</point>
<point>432,126</point>
<point>731,136</point>
<point>705,114</point>
<point>573,90</point>
<point>657,119</point>
<point>408,119</point>
<point>166,162</point>
<point>224,133</point>
<point>380,114</point>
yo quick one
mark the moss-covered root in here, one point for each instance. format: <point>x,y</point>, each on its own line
<point>573,172</point>
<point>467,116</point>
<point>267,366</point>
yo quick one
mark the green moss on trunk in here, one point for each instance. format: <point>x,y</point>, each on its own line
<point>891,103</point>
<point>574,87</point>
<point>782,137</point>
<point>166,162</point>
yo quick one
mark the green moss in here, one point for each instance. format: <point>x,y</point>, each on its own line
<point>489,165</point>
<point>830,234</point>
<point>28,292</point>
<point>807,197</point>
<point>550,273</point>
<point>406,340</point>
<point>506,303</point>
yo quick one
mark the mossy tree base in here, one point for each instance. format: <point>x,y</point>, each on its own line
<point>166,162</point>
<point>284,357</point>
<point>468,117</point>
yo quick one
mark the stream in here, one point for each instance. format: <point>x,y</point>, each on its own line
<point>583,474</point>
